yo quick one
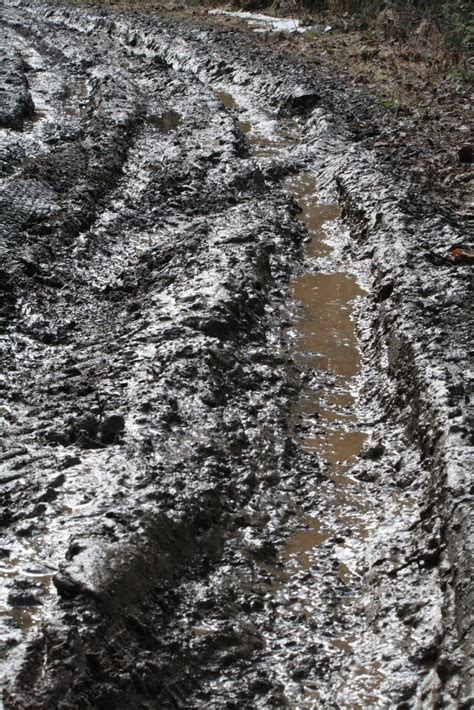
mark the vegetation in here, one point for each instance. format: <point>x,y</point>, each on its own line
<point>453,18</point>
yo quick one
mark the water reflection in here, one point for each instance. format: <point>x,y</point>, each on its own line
<point>326,329</point>
<point>314,213</point>
<point>75,105</point>
<point>165,122</point>
<point>326,342</point>
<point>264,141</point>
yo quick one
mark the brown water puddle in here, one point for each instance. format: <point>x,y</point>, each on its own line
<point>77,91</point>
<point>326,334</point>
<point>314,213</point>
<point>326,342</point>
<point>260,144</point>
<point>231,104</point>
<point>21,607</point>
<point>165,122</point>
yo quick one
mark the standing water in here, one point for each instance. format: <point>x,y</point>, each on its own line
<point>325,344</point>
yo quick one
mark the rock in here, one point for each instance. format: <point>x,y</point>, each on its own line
<point>373,452</point>
<point>57,480</point>
<point>87,423</point>
<point>111,427</point>
<point>55,438</point>
<point>38,510</point>
<point>363,474</point>
<point>84,441</point>
<point>465,154</point>
<point>30,268</point>
<point>66,586</point>
<point>25,529</point>
<point>23,598</point>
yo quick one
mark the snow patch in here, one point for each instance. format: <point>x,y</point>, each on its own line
<point>275,24</point>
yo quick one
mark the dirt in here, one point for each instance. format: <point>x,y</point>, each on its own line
<point>410,91</point>
<point>236,454</point>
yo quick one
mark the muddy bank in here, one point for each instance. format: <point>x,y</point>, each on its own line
<point>153,468</point>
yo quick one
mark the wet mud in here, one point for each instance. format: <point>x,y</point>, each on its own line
<point>235,409</point>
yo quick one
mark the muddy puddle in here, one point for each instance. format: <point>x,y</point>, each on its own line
<point>166,122</point>
<point>75,101</point>
<point>264,136</point>
<point>325,341</point>
<point>325,344</point>
<point>26,586</point>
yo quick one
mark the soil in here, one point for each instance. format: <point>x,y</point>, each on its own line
<point>172,538</point>
<point>410,92</point>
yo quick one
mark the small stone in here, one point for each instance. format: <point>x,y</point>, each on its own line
<point>49,495</point>
<point>366,475</point>
<point>25,529</point>
<point>57,481</point>
<point>55,438</point>
<point>6,516</point>
<point>84,441</point>
<point>30,268</point>
<point>38,510</point>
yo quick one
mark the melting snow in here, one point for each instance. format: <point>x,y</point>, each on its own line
<point>275,24</point>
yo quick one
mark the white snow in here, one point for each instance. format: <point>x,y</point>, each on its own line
<point>275,24</point>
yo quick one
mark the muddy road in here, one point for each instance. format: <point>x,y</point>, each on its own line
<point>235,463</point>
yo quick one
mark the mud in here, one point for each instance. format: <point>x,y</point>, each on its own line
<point>235,467</point>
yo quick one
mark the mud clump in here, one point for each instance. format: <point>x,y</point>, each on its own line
<point>112,426</point>
<point>16,104</point>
